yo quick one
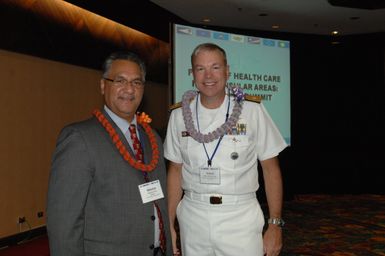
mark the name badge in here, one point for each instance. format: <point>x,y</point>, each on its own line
<point>150,191</point>
<point>210,175</point>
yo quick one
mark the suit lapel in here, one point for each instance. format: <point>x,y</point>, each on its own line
<point>121,135</point>
<point>144,141</point>
<point>147,151</point>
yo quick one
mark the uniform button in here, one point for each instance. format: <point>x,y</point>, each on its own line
<point>152,217</point>
<point>152,247</point>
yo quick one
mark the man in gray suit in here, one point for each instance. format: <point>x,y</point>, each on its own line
<point>105,192</point>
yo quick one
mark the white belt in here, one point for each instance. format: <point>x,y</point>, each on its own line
<point>219,199</point>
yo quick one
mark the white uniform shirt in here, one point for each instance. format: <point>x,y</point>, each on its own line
<point>257,137</point>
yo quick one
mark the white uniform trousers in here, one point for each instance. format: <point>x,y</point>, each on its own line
<point>232,228</point>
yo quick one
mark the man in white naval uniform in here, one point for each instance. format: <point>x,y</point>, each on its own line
<point>216,169</point>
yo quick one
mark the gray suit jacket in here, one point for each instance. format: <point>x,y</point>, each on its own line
<point>94,206</point>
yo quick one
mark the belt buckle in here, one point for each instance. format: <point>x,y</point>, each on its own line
<point>215,200</point>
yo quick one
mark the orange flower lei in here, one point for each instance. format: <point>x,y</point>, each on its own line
<point>143,120</point>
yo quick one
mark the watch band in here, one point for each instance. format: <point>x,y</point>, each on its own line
<point>276,221</point>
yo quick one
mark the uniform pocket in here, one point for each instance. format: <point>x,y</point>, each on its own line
<point>236,150</point>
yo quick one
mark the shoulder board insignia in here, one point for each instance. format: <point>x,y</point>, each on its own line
<point>175,106</point>
<point>253,98</point>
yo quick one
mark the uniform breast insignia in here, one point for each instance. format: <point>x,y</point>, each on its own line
<point>241,129</point>
<point>235,140</point>
<point>238,129</point>
<point>185,134</point>
<point>234,156</point>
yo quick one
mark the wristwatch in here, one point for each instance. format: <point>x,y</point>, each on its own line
<point>276,221</point>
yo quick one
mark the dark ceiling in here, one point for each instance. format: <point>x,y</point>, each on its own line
<point>30,33</point>
<point>27,32</point>
<point>144,15</point>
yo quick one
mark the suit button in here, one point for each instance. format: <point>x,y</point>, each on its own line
<point>152,247</point>
<point>152,217</point>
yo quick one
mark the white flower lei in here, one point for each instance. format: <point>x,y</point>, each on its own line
<point>221,130</point>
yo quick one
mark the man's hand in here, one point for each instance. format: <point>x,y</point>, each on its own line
<point>272,240</point>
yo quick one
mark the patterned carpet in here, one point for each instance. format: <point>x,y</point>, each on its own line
<point>316,225</point>
<point>335,225</point>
